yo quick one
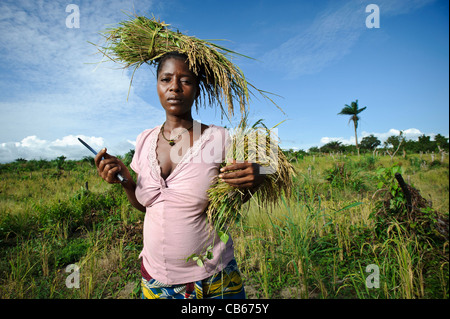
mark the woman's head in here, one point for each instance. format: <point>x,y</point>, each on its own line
<point>177,86</point>
<point>170,55</point>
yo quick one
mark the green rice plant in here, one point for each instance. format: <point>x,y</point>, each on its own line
<point>295,234</point>
<point>402,264</point>
<point>403,269</point>
<point>443,278</point>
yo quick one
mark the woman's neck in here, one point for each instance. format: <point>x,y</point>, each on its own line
<point>173,122</point>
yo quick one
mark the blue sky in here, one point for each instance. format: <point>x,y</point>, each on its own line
<point>317,55</point>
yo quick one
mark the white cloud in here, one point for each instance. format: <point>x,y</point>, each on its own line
<point>73,140</point>
<point>31,141</point>
<point>132,142</point>
<point>32,147</point>
<point>51,82</point>
<point>409,134</point>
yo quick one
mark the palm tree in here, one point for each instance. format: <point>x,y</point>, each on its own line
<point>353,111</point>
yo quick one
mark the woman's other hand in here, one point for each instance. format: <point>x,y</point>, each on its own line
<point>242,175</point>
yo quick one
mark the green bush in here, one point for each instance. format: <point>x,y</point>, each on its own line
<point>71,252</point>
<point>341,176</point>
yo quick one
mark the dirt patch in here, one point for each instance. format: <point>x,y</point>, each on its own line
<point>251,292</point>
<point>126,292</point>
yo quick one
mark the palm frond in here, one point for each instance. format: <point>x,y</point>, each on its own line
<point>360,110</point>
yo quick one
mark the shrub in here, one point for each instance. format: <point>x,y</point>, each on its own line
<point>340,176</point>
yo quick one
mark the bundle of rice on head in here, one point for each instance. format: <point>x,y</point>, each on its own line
<point>141,40</point>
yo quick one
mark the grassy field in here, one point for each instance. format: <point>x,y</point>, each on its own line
<point>347,213</point>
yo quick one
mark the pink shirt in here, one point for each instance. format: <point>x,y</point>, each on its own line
<point>175,224</point>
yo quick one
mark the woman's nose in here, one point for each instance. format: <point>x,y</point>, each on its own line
<point>175,86</point>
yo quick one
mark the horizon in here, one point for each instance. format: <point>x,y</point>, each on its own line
<point>78,158</point>
<point>317,57</point>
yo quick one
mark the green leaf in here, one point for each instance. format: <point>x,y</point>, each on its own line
<point>396,169</point>
<point>223,236</point>
<point>209,255</point>
<point>200,262</point>
<point>349,206</point>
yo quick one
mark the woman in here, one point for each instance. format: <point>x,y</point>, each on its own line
<point>176,163</point>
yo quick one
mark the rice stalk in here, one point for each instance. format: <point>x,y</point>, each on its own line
<point>255,144</point>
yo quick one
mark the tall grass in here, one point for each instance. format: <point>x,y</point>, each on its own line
<point>317,244</point>
<point>63,223</point>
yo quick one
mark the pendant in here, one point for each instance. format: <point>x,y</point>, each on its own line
<point>171,142</point>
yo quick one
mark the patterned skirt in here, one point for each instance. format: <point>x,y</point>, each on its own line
<point>226,284</point>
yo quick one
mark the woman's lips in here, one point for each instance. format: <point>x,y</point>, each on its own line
<point>174,100</point>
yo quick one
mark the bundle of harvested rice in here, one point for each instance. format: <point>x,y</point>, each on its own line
<point>256,144</point>
<point>141,40</point>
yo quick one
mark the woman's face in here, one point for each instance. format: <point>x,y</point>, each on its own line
<point>177,87</point>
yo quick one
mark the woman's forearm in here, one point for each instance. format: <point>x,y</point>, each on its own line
<point>130,187</point>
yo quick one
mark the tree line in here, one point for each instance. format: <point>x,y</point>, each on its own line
<point>371,143</point>
<point>392,144</point>
<point>60,163</point>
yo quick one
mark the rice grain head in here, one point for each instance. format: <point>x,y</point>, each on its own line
<point>256,144</point>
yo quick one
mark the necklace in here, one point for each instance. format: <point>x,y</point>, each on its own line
<point>172,141</point>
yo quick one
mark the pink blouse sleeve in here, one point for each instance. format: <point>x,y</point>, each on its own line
<point>139,151</point>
